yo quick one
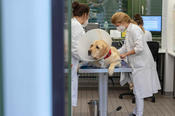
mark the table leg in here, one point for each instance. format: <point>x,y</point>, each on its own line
<point>103,94</point>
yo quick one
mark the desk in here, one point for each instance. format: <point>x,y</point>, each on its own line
<point>172,53</point>
<point>161,50</point>
<point>160,68</point>
<point>103,83</point>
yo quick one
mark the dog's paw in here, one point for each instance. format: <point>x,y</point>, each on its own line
<point>131,86</point>
<point>111,71</point>
<point>119,65</point>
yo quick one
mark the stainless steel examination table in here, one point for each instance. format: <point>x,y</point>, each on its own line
<point>103,83</point>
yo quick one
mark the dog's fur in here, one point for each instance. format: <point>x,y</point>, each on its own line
<point>99,49</point>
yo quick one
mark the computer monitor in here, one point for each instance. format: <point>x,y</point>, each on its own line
<point>152,23</point>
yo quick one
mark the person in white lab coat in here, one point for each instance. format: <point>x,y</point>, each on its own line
<point>135,48</point>
<point>148,35</point>
<point>79,20</point>
<point>138,19</point>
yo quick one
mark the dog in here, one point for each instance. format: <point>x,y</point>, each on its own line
<point>110,56</point>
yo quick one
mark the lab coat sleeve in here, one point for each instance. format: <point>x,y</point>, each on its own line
<point>75,46</point>
<point>122,50</point>
<point>76,36</point>
<point>138,37</point>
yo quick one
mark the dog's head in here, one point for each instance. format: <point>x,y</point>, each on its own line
<point>98,49</point>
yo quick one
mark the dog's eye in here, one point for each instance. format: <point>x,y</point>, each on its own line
<point>92,45</point>
<point>97,47</point>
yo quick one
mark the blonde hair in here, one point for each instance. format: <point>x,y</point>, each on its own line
<point>120,17</point>
<point>132,21</point>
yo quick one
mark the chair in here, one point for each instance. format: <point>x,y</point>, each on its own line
<point>154,48</point>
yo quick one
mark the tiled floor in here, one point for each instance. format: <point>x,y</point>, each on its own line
<point>164,106</point>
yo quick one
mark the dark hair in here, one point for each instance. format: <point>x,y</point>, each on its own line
<point>79,9</point>
<point>138,19</point>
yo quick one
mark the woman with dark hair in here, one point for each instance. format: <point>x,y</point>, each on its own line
<point>138,19</point>
<point>80,19</point>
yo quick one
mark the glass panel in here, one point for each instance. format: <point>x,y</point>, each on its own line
<point>67,56</point>
<point>102,10</point>
<point>1,92</point>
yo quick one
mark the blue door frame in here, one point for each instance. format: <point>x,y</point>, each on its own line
<point>58,88</point>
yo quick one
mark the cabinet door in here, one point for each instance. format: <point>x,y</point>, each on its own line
<point>137,7</point>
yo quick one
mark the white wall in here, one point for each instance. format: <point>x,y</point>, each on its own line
<point>174,27</point>
<point>170,25</point>
<point>169,73</point>
<point>27,57</point>
<point>168,42</point>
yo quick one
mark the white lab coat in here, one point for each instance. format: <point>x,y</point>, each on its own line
<point>148,36</point>
<point>144,75</point>
<point>77,33</point>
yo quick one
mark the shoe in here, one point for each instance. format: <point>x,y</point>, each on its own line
<point>132,114</point>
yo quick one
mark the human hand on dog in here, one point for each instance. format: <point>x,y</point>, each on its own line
<point>122,56</point>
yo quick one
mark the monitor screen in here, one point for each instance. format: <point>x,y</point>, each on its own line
<point>152,23</point>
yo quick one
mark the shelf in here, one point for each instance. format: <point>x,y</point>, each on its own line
<point>172,53</point>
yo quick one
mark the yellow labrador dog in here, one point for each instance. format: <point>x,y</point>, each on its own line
<point>110,56</point>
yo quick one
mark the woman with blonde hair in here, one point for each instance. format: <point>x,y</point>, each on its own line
<point>139,57</point>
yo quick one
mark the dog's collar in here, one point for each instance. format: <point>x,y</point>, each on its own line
<point>109,54</point>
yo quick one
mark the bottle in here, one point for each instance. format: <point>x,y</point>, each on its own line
<point>106,25</point>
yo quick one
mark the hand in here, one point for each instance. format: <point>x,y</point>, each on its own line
<point>122,56</point>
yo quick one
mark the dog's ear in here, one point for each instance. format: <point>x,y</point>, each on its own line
<point>105,49</point>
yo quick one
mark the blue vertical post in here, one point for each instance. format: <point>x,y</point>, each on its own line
<point>58,87</point>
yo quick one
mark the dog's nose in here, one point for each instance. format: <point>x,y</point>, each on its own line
<point>89,52</point>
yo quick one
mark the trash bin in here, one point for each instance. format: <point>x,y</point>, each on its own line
<point>93,107</point>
